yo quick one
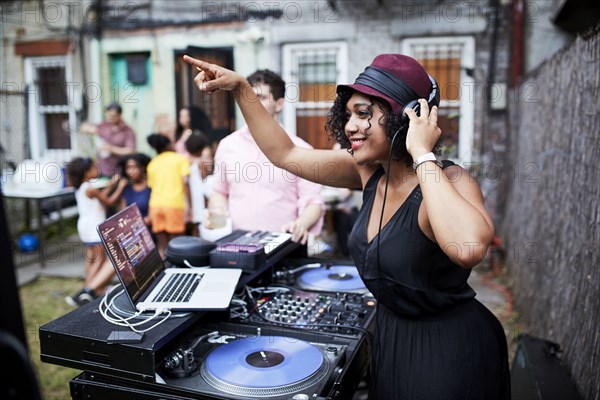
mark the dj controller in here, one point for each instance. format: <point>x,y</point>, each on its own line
<point>304,335</point>
<point>293,344</point>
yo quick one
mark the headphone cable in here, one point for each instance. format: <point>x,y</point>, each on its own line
<point>387,179</point>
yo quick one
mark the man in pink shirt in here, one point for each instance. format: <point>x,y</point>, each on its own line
<point>116,139</point>
<point>257,194</point>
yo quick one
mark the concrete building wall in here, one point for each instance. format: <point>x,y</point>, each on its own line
<point>23,23</point>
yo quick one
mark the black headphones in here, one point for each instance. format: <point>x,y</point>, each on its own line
<point>397,90</point>
<point>433,100</point>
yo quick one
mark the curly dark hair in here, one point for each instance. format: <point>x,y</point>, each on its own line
<point>158,142</point>
<point>76,170</point>
<point>140,159</point>
<point>337,119</point>
<point>196,143</point>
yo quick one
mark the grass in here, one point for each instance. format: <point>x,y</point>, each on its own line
<point>43,301</point>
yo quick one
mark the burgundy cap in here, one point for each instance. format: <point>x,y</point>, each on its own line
<point>403,67</point>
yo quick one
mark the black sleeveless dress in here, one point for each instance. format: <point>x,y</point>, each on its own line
<point>433,340</point>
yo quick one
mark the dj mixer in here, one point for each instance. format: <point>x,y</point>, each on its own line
<point>344,313</point>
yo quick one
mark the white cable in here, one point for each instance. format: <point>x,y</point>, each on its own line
<point>115,319</point>
<point>187,264</point>
<point>271,289</point>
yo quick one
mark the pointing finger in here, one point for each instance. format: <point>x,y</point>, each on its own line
<point>209,69</point>
<point>195,62</point>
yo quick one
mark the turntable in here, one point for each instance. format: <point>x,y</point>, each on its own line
<point>244,362</point>
<point>248,362</point>
<point>332,278</point>
<point>274,367</point>
<point>324,277</point>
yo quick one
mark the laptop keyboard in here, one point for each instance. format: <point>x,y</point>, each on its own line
<point>179,288</point>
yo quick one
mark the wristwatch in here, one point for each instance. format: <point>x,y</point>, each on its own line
<point>424,158</point>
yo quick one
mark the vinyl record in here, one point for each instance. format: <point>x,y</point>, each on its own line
<point>342,278</point>
<point>262,363</point>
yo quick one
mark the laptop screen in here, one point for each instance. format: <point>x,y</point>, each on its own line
<point>130,246</point>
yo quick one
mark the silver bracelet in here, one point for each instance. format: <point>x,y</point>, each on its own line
<point>425,158</point>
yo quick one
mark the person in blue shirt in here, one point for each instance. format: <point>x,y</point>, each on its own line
<point>133,167</point>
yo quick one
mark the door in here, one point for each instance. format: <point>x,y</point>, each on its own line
<point>219,107</point>
<point>51,114</point>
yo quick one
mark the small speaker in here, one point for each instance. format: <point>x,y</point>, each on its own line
<point>538,373</point>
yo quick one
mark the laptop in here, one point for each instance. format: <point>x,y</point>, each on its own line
<point>149,285</point>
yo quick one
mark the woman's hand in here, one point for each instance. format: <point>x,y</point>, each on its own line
<point>122,183</point>
<point>423,131</point>
<point>213,78</point>
<point>298,230</point>
<point>114,180</point>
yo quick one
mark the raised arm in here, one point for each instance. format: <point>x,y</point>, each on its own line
<point>329,167</point>
<point>117,185</point>
<point>454,210</point>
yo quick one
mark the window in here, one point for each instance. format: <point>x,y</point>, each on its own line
<point>51,115</point>
<point>311,72</point>
<point>451,62</point>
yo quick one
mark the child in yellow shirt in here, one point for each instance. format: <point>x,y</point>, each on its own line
<point>168,174</point>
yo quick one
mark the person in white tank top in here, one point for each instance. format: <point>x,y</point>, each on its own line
<point>91,206</point>
<point>201,158</point>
